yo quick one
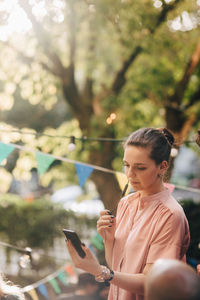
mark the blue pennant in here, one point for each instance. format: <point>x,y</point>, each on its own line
<point>43,290</point>
<point>83,173</point>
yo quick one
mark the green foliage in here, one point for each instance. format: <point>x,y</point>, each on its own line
<point>93,40</point>
<point>37,224</point>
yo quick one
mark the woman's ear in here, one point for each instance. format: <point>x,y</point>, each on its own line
<point>163,166</point>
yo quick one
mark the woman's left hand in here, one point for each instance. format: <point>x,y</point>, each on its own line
<point>89,263</point>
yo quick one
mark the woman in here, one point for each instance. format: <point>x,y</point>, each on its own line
<point>9,291</point>
<point>150,224</point>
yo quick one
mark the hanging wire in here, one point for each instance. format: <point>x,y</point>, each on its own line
<point>83,138</point>
<point>28,250</point>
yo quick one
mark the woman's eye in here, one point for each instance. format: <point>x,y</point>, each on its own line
<point>141,169</point>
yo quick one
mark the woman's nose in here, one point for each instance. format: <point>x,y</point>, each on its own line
<point>131,172</point>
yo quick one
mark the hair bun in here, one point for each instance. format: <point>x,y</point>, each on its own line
<point>168,136</point>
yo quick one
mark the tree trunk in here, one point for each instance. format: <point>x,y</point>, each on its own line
<point>106,183</point>
<point>108,189</point>
<point>180,127</point>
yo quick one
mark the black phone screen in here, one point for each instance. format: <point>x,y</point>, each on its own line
<point>76,242</point>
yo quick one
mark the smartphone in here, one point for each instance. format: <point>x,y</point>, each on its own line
<point>76,242</point>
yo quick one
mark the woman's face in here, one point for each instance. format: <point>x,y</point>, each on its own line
<point>141,171</point>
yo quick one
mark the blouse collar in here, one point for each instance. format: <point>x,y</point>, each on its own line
<point>147,200</point>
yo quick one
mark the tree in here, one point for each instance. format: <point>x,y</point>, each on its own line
<point>117,57</point>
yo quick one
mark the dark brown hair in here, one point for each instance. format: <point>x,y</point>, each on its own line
<point>159,139</point>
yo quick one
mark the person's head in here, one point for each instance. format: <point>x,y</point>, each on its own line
<point>170,279</point>
<point>8,288</point>
<point>102,293</point>
<point>146,155</point>
<point>87,282</point>
<point>198,269</point>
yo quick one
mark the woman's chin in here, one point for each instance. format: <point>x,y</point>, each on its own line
<point>136,186</point>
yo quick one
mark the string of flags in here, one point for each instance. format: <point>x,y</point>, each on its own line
<point>44,161</point>
<point>83,170</point>
<point>64,276</point>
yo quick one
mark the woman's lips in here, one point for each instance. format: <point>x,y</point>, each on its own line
<point>134,182</point>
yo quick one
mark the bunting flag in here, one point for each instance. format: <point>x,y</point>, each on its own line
<point>43,161</point>
<point>169,186</point>
<point>5,150</point>
<point>70,270</point>
<point>55,285</point>
<point>83,173</point>
<point>40,286</point>
<point>43,290</point>
<point>63,277</point>
<point>33,294</point>
<point>97,241</point>
<point>122,180</point>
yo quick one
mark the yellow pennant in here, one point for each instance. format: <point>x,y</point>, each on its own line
<point>33,294</point>
<point>122,180</point>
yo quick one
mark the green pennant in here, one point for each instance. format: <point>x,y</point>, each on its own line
<point>43,162</point>
<point>63,277</point>
<point>55,285</point>
<point>97,243</point>
<point>5,150</point>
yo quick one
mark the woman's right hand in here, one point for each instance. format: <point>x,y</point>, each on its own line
<point>106,225</point>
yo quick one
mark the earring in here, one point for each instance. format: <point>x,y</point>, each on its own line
<point>160,176</point>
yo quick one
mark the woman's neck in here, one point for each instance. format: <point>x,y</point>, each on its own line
<point>153,190</point>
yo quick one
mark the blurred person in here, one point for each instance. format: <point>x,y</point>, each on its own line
<point>150,224</point>
<point>172,280</point>
<point>102,293</point>
<point>86,290</point>
<point>9,291</point>
<point>198,269</point>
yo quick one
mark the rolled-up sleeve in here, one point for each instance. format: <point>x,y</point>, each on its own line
<point>170,238</point>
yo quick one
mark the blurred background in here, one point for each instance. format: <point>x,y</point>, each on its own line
<point>76,78</point>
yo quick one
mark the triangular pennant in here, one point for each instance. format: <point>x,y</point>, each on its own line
<point>33,294</point>
<point>97,241</point>
<point>43,162</point>
<point>43,290</point>
<point>169,186</point>
<point>5,150</point>
<point>83,173</point>
<point>99,237</point>
<point>122,180</point>
<point>63,277</point>
<point>55,285</point>
<point>69,270</point>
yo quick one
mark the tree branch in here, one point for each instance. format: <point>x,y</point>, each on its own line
<point>176,99</point>
<point>120,79</point>
<point>42,37</point>
<point>72,32</point>
<point>65,74</point>
<point>194,99</point>
<point>166,9</point>
<point>29,60</point>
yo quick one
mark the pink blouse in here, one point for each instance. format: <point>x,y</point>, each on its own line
<point>147,228</point>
